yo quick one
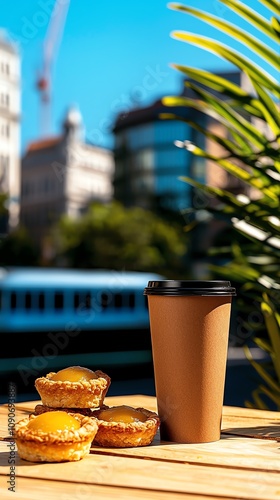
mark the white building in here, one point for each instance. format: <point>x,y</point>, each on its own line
<point>10,126</point>
<point>62,175</point>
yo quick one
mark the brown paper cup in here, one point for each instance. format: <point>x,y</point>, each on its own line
<point>189,336</point>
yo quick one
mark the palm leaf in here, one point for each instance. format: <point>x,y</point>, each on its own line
<point>231,147</point>
<point>241,98</point>
<point>253,71</point>
<point>272,5</point>
<point>247,39</point>
<point>270,394</point>
<point>263,344</point>
<point>237,171</point>
<point>251,15</point>
<point>261,371</point>
<point>269,110</point>
<point>273,331</point>
<point>250,152</point>
<point>275,23</point>
<point>216,82</point>
<point>246,13</point>
<point>231,204</point>
<point>240,124</point>
<point>259,403</point>
<point>221,111</point>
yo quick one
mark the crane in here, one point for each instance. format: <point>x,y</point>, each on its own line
<point>51,44</point>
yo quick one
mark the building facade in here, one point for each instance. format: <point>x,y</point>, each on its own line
<point>10,127</point>
<point>61,175</point>
<point>148,165</point>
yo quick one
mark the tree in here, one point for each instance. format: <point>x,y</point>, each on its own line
<point>110,236</point>
<point>4,214</point>
<point>250,152</point>
<point>17,249</point>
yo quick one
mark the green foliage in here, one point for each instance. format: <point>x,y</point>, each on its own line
<point>17,249</point>
<point>3,201</point>
<point>251,153</point>
<point>111,236</point>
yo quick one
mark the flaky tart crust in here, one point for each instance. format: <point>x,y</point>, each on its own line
<point>126,435</point>
<point>65,394</point>
<point>59,446</point>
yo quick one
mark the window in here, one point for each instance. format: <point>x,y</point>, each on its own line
<point>131,300</point>
<point>5,129</point>
<point>170,158</point>
<point>169,131</point>
<point>118,300</point>
<point>144,159</point>
<point>5,100</point>
<point>28,301</point>
<point>41,301</point>
<point>82,300</point>
<point>58,300</point>
<point>141,136</point>
<point>5,68</point>
<point>76,301</point>
<point>104,300</point>
<point>13,300</point>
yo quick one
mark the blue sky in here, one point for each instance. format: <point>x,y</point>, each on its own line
<point>113,55</point>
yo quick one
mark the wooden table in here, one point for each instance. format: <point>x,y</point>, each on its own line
<point>244,464</point>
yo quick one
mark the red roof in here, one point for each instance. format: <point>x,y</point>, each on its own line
<point>43,143</point>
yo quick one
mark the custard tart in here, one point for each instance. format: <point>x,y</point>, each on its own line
<point>124,426</point>
<point>73,387</point>
<point>55,436</point>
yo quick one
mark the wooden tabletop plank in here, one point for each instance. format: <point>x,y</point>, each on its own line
<point>230,451</point>
<point>32,489</point>
<point>246,467</point>
<point>155,475</point>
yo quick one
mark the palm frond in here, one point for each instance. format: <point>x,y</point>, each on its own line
<point>254,72</point>
<point>249,151</point>
<point>238,34</point>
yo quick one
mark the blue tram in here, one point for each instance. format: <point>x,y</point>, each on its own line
<point>53,318</point>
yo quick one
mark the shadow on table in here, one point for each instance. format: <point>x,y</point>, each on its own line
<point>271,432</point>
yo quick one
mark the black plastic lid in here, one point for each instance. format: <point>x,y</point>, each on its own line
<point>190,287</point>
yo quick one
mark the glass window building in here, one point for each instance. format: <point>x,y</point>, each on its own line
<point>148,165</point>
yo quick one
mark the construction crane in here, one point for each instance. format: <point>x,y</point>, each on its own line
<point>51,44</point>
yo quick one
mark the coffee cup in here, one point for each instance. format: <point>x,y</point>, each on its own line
<point>189,324</point>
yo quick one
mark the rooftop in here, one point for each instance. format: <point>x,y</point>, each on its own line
<point>48,142</point>
<point>6,43</point>
<point>28,278</point>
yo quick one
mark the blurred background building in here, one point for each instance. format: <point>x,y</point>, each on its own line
<point>61,175</point>
<point>10,92</point>
<point>149,165</point>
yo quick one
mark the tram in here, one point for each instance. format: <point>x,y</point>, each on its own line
<point>54,318</point>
